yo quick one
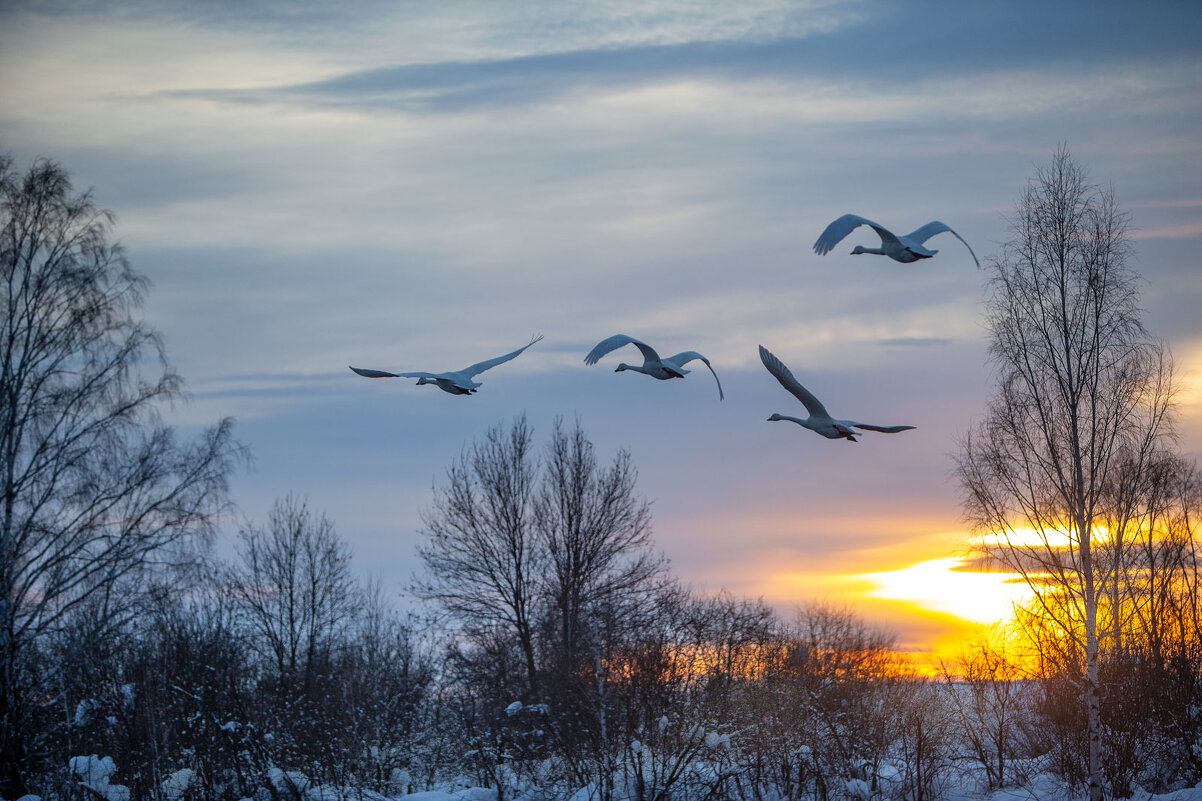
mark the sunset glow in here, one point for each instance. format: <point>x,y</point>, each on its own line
<point>939,585</point>
<point>1030,537</point>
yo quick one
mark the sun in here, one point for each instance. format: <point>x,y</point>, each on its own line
<point>942,585</point>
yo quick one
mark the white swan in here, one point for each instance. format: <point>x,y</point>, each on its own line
<point>819,419</point>
<point>457,382</point>
<point>906,248</point>
<point>653,365</point>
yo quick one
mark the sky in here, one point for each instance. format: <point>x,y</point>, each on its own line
<point>424,185</point>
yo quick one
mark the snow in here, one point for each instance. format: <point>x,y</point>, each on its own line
<point>1046,787</point>
<point>323,793</point>
<point>858,788</point>
<point>1189,794</point>
<point>94,773</point>
<point>288,781</point>
<point>513,708</point>
<point>398,781</point>
<point>92,768</point>
<point>178,783</point>
<point>83,711</point>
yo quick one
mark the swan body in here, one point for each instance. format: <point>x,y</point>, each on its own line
<point>819,420</point>
<point>906,249</point>
<point>653,365</point>
<point>456,382</point>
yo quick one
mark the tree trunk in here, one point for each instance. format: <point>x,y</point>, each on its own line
<point>12,751</point>
<point>1093,712</point>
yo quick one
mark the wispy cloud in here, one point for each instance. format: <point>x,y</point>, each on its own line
<point>914,342</point>
<point>1185,230</point>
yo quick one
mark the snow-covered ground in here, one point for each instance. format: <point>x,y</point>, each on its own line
<point>96,774</point>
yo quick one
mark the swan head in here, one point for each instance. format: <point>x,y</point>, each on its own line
<point>775,418</point>
<point>858,249</point>
<point>621,366</point>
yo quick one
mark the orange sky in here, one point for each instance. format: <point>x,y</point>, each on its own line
<point>917,592</point>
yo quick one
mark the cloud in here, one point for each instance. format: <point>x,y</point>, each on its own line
<point>914,342</point>
<point>1185,230</point>
<point>816,78</point>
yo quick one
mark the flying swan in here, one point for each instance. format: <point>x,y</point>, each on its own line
<point>653,365</point>
<point>905,249</point>
<point>457,382</point>
<point>819,419</point>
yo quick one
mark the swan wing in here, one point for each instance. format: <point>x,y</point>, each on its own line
<point>883,429</point>
<point>383,374</point>
<point>374,373</point>
<point>786,379</point>
<point>681,359</point>
<point>935,227</point>
<point>616,341</point>
<point>480,367</point>
<point>843,226</point>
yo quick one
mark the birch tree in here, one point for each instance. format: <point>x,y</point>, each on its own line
<point>93,485</point>
<point>1081,388</point>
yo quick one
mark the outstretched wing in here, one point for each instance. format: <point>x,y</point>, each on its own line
<point>681,359</point>
<point>883,429</point>
<point>384,374</point>
<point>786,379</point>
<point>843,226</point>
<point>480,367</point>
<point>374,373</point>
<point>935,227</point>
<point>616,341</point>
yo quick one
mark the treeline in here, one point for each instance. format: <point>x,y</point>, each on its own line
<point>279,675</point>
<point>563,658</point>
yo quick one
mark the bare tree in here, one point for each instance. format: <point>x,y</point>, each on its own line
<point>601,583</point>
<point>596,534</point>
<point>552,556</point>
<point>1132,502</point>
<point>93,484</point>
<point>988,703</point>
<point>1076,374</point>
<point>480,546</point>
<point>295,586</point>
<point>294,590</point>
